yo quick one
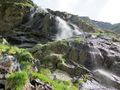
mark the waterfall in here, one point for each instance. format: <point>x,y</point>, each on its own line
<point>64,30</point>
<point>76,30</point>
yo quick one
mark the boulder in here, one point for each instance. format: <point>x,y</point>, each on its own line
<point>8,64</point>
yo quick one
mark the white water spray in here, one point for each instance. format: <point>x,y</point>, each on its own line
<point>64,30</point>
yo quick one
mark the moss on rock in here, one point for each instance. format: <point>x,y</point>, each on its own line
<point>12,14</point>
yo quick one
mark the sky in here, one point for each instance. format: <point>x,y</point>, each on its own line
<point>101,10</point>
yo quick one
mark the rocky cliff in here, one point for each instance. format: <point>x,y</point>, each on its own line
<point>53,50</point>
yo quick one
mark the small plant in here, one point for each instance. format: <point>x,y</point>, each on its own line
<point>24,55</point>
<point>45,71</point>
<point>82,80</point>
<point>17,80</point>
<point>78,40</point>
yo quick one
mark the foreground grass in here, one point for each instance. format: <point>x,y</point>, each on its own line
<point>17,80</point>
<point>57,84</point>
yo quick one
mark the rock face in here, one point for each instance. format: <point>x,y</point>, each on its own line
<point>30,25</point>
<point>67,42</point>
<point>110,79</point>
<point>93,53</point>
<point>13,14</point>
<point>78,58</point>
<point>39,85</point>
<point>94,85</point>
<point>8,64</point>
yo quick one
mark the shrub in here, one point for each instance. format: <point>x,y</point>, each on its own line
<point>24,56</point>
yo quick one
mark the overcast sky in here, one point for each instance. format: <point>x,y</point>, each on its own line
<point>101,10</point>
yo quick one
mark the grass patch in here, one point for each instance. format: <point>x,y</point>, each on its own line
<point>57,84</point>
<point>82,80</point>
<point>23,56</point>
<point>78,40</point>
<point>9,49</point>
<point>45,72</point>
<point>17,80</point>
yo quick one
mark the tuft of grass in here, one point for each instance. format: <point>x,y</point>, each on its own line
<point>78,40</point>
<point>45,71</point>
<point>9,49</point>
<point>57,84</point>
<point>17,80</point>
<point>82,80</point>
<point>26,66</point>
<point>24,56</point>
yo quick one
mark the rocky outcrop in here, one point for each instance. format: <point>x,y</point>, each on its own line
<point>29,25</point>
<point>78,58</point>
<point>67,42</point>
<point>39,85</point>
<point>13,14</point>
<point>8,64</point>
<point>92,53</point>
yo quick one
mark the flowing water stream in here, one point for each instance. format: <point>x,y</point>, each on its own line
<point>64,30</point>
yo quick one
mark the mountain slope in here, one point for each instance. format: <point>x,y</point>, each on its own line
<point>53,50</point>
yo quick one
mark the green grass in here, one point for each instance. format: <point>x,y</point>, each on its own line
<point>78,40</point>
<point>82,80</point>
<point>45,71</point>
<point>17,80</point>
<point>26,66</point>
<point>57,84</point>
<point>23,56</point>
<point>9,49</point>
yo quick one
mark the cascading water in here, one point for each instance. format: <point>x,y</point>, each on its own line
<point>102,80</point>
<point>64,30</point>
<point>76,30</point>
<point>106,78</point>
<point>102,76</point>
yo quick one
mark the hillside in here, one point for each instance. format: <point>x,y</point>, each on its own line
<point>42,49</point>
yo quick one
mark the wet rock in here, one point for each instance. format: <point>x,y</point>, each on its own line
<point>94,85</point>
<point>73,68</point>
<point>106,78</point>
